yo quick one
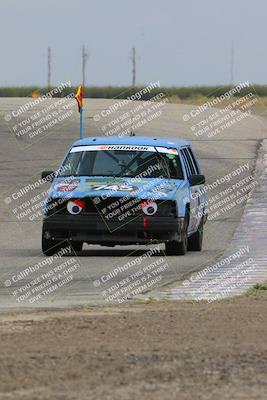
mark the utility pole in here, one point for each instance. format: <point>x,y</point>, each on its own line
<point>49,67</point>
<point>232,62</point>
<point>84,62</point>
<point>133,59</point>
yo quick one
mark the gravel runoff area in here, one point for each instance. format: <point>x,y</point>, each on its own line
<point>160,350</point>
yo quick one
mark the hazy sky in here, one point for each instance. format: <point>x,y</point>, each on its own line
<point>178,42</point>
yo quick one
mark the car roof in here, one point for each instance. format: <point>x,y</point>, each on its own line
<point>134,140</point>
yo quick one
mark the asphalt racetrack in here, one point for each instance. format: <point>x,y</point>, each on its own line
<point>23,158</point>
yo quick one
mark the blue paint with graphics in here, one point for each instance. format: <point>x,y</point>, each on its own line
<point>187,194</point>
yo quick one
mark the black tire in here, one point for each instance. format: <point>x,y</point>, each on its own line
<point>175,248</point>
<point>195,240</point>
<point>49,247</point>
<point>77,246</point>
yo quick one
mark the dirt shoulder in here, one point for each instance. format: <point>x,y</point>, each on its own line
<point>177,350</point>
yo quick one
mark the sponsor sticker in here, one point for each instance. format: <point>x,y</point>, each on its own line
<point>116,187</point>
<point>124,148</point>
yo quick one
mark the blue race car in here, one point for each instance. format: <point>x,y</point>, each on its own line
<point>122,191</point>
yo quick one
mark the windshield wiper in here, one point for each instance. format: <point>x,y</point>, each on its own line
<point>130,163</point>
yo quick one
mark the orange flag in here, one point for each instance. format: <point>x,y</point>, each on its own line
<point>79,97</point>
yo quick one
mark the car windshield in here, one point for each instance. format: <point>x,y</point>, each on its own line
<point>122,163</point>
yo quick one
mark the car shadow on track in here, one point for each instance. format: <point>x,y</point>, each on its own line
<point>116,253</point>
<point>28,253</point>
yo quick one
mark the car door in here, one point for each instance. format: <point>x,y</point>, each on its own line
<point>193,190</point>
<point>200,196</point>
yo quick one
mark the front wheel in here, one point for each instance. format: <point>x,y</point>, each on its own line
<point>51,247</point>
<point>195,240</point>
<point>175,248</point>
<point>77,246</point>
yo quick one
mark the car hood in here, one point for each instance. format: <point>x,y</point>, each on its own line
<point>86,186</point>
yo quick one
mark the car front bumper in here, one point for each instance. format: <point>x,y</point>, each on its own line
<point>94,230</point>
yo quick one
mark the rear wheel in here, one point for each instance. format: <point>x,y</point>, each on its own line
<point>195,241</point>
<point>175,248</point>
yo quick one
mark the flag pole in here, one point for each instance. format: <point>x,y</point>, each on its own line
<point>79,99</point>
<point>81,123</point>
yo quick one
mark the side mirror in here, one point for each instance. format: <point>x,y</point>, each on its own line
<point>48,176</point>
<point>196,179</point>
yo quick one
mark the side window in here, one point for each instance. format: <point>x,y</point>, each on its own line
<point>187,162</point>
<point>175,166</point>
<point>192,167</point>
<point>193,160</point>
